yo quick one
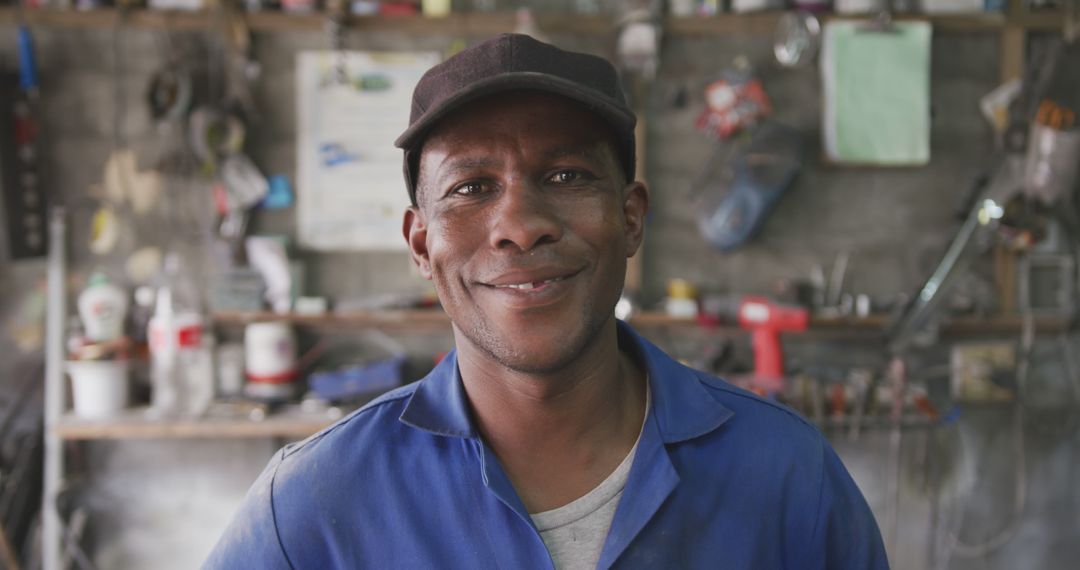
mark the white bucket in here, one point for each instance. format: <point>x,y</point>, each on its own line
<point>99,388</point>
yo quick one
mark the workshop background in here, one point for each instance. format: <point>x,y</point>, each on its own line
<point>922,281</point>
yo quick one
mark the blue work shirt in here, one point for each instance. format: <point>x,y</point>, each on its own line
<point>721,479</point>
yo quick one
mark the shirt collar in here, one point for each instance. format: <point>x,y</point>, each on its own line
<point>683,407</point>
<point>439,405</point>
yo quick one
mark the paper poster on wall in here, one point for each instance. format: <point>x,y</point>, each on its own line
<point>352,105</point>
<point>877,93</point>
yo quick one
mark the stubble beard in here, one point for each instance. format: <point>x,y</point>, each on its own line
<point>503,350</point>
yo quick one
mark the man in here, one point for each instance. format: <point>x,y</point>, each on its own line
<point>554,435</point>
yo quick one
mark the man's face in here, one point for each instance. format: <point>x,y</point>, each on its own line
<point>524,224</point>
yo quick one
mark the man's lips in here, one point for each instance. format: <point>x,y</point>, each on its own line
<point>530,280</point>
<point>528,286</point>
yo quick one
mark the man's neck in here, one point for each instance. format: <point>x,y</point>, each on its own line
<point>558,434</point>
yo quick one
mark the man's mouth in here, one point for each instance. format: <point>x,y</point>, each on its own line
<point>529,286</point>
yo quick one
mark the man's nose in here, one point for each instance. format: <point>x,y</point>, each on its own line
<point>524,218</point>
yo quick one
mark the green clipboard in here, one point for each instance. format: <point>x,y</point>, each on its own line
<point>877,93</point>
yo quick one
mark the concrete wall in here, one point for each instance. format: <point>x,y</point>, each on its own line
<point>161,504</point>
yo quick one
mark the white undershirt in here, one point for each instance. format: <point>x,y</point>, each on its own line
<point>575,533</point>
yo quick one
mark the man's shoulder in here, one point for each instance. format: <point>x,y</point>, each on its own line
<point>761,422</point>
<point>738,413</point>
<point>784,466</point>
<point>360,434</point>
<point>743,400</point>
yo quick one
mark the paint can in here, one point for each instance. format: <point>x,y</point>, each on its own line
<point>270,361</point>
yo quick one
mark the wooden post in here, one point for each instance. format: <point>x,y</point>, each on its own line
<point>1013,42</point>
<point>1012,60</point>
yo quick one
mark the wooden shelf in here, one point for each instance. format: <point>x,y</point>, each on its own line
<point>850,329</point>
<point>396,319</point>
<point>106,18</point>
<point>434,320</point>
<point>490,23</point>
<point>973,327</point>
<point>137,424</point>
<point>870,329</point>
<point>765,23</point>
<point>436,317</point>
<point>461,24</point>
<point>875,422</point>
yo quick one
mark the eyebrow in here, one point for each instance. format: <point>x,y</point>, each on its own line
<point>454,165</point>
<point>457,164</point>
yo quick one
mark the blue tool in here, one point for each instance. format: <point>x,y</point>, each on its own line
<point>28,79</point>
<point>738,194</point>
<point>353,382</point>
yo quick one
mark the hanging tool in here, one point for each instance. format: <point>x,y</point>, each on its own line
<point>239,68</point>
<point>983,219</point>
<point>25,202</point>
<point>765,319</point>
<point>169,93</point>
<point>737,193</point>
<point>797,39</point>
<point>1055,116</point>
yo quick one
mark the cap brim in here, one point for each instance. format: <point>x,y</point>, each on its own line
<point>612,111</point>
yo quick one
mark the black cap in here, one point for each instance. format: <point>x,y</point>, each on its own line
<point>512,62</point>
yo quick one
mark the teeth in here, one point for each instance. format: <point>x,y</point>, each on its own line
<point>526,286</point>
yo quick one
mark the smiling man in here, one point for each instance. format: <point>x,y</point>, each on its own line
<point>553,436</point>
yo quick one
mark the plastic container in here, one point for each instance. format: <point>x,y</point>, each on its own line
<point>181,356</point>
<point>99,388</point>
<point>435,8</point>
<point>681,301</point>
<point>230,370</point>
<point>102,308</point>
<point>858,6</point>
<point>1053,162</point>
<point>744,6</point>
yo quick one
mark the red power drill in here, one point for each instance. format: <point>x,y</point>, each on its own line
<point>766,320</point>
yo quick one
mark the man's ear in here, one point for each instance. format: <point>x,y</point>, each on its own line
<point>414,227</point>
<point>635,208</point>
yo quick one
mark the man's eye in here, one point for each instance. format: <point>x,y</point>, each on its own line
<point>565,177</point>
<point>468,189</point>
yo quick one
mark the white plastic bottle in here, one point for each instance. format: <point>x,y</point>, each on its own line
<point>102,308</point>
<point>181,370</point>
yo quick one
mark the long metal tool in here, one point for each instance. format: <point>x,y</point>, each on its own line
<point>981,219</point>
